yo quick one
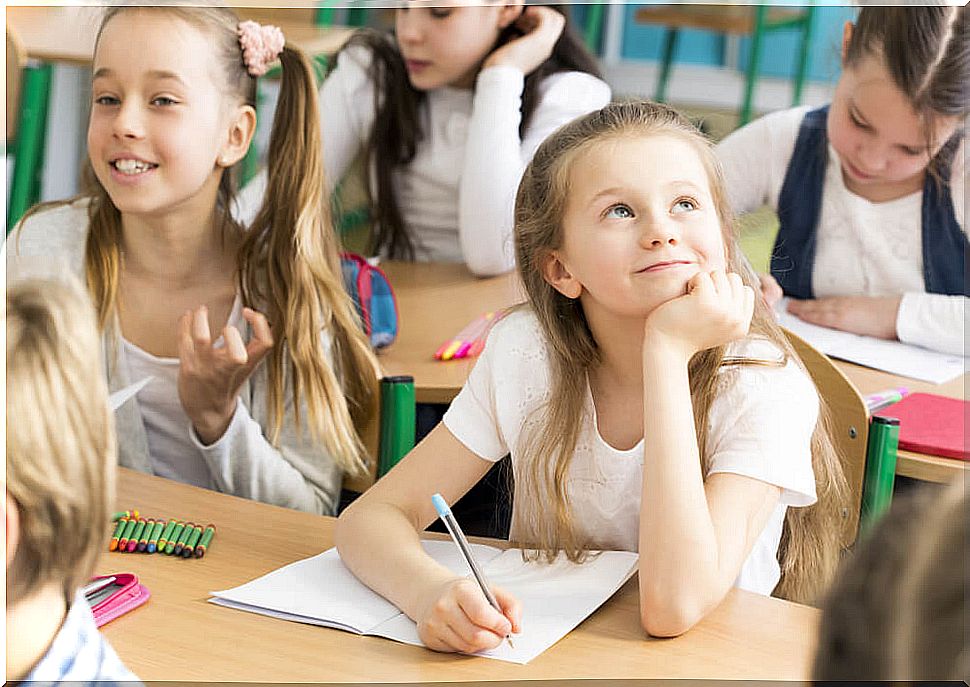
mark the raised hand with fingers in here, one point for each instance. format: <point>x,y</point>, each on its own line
<point>458,617</point>
<point>541,27</point>
<point>210,376</point>
<point>716,309</point>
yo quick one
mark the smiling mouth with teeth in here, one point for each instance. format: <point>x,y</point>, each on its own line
<point>132,166</point>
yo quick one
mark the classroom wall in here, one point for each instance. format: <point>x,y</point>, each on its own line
<point>641,46</point>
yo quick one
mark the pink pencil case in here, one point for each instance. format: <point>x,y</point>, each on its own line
<point>124,594</point>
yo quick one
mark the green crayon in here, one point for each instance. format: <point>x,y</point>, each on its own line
<point>170,546</point>
<point>210,532</point>
<point>153,539</point>
<point>146,533</point>
<point>136,535</point>
<point>119,530</point>
<point>163,540</point>
<point>186,533</point>
<point>192,541</point>
<point>126,535</point>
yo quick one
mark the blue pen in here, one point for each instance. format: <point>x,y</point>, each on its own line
<point>444,512</point>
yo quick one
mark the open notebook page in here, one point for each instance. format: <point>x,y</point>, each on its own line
<point>891,356</point>
<point>320,590</point>
<point>555,598</point>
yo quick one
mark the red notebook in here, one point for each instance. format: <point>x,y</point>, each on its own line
<point>932,424</point>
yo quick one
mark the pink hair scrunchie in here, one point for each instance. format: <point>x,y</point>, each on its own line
<point>261,45</point>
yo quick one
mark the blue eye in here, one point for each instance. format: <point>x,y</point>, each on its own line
<point>163,101</point>
<point>684,205</point>
<point>106,100</point>
<point>619,211</point>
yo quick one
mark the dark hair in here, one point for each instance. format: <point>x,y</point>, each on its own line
<point>397,127</point>
<point>897,610</point>
<point>926,51</point>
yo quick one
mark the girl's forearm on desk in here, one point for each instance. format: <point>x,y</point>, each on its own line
<point>382,548</point>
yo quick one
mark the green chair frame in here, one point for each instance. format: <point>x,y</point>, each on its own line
<point>27,145</point>
<point>763,20</point>
<point>868,454</point>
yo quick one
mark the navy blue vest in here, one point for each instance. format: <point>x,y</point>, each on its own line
<point>945,246</point>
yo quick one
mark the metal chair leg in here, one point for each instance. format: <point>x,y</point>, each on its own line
<point>669,47</point>
<point>760,13</point>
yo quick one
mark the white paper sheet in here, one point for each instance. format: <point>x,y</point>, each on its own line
<point>891,356</point>
<point>555,598</point>
<point>118,398</point>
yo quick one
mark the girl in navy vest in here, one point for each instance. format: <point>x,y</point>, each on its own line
<point>870,190</point>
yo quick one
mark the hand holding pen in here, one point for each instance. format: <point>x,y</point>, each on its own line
<point>458,616</point>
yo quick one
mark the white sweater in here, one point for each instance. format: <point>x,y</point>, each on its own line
<point>863,248</point>
<point>458,193</point>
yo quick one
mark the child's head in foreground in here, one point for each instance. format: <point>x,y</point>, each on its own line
<point>60,441</point>
<point>898,607</point>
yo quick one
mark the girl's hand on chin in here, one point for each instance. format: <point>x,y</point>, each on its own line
<point>210,378</point>
<point>716,309</point>
<point>542,27</point>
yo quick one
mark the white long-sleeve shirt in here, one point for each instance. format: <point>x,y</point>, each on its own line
<point>457,195</point>
<point>862,248</point>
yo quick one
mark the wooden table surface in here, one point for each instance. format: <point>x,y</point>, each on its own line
<point>435,301</point>
<point>66,34</point>
<point>177,635</point>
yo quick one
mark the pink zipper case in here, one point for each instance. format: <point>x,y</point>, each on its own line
<point>124,594</point>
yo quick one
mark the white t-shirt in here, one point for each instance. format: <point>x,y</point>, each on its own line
<point>862,248</point>
<point>457,195</point>
<point>173,447</point>
<point>760,426</point>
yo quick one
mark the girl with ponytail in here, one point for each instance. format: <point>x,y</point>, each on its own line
<point>259,371</point>
<point>870,189</point>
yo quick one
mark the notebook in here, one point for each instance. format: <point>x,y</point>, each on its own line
<point>892,356</point>
<point>555,597</point>
<point>931,424</point>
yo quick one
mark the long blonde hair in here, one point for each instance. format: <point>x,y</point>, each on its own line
<point>810,540</point>
<point>288,263</point>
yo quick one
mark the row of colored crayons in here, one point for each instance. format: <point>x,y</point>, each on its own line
<point>470,341</point>
<point>147,535</point>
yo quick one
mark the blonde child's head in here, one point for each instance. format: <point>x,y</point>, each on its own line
<point>615,140</point>
<point>904,93</point>
<point>60,440</point>
<point>173,115</point>
<point>548,185</point>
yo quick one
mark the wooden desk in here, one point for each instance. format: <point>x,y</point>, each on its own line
<point>178,636</point>
<point>66,34</point>
<point>910,464</point>
<point>435,301</point>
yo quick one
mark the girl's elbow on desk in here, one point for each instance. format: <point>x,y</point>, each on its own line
<point>667,614</point>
